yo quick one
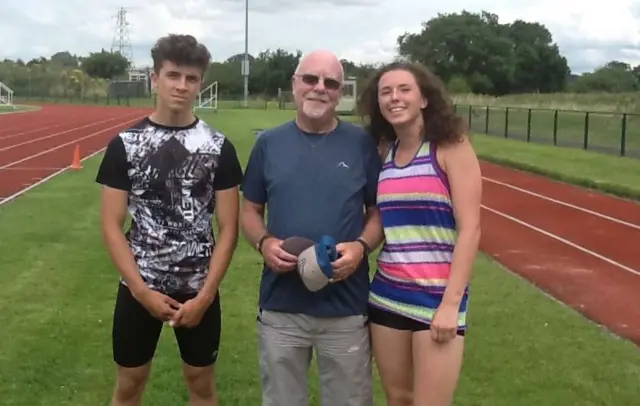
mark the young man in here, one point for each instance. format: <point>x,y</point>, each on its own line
<point>316,175</point>
<point>171,172</point>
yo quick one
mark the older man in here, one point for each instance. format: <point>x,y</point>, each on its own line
<point>316,175</point>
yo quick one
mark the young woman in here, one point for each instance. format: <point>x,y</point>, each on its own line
<point>429,194</point>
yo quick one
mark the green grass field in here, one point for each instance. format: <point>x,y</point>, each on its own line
<point>595,101</point>
<point>14,109</point>
<point>609,174</point>
<point>59,286</point>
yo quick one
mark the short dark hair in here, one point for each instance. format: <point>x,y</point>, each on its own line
<point>182,50</point>
<point>442,125</point>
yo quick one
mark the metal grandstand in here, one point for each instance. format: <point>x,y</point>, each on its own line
<point>6,95</point>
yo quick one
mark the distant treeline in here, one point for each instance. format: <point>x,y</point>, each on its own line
<point>471,52</point>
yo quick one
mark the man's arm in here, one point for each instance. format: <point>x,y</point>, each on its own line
<point>254,196</point>
<point>463,171</point>
<point>227,179</point>
<point>253,225</point>
<point>373,233</point>
<point>112,174</point>
<point>254,188</point>
<point>112,217</point>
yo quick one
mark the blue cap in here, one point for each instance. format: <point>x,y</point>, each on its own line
<point>314,263</point>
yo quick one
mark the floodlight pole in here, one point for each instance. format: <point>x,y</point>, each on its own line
<point>245,63</point>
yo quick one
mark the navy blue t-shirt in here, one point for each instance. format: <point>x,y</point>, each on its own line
<point>314,185</point>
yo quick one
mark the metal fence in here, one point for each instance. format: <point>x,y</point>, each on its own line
<point>611,133</point>
<point>107,100</point>
<point>128,89</point>
<point>605,132</point>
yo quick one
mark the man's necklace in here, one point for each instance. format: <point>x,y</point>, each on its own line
<point>314,144</point>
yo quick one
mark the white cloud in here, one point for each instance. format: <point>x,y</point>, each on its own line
<point>588,33</point>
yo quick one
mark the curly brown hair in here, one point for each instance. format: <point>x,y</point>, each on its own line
<point>182,50</point>
<point>442,125</point>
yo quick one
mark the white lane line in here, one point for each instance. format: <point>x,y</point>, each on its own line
<point>45,125</point>
<point>560,202</point>
<point>27,168</point>
<point>43,180</point>
<point>59,133</point>
<point>562,240</point>
<point>138,117</point>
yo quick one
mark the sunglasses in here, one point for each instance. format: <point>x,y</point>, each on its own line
<point>312,80</point>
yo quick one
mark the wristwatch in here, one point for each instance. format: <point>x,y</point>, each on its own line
<point>367,249</point>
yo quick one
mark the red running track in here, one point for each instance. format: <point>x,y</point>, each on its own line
<point>575,244</point>
<point>38,144</point>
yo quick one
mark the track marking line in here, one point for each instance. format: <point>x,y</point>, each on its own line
<point>45,179</point>
<point>138,117</point>
<point>26,168</point>
<point>563,203</point>
<point>56,134</point>
<point>562,240</point>
<point>19,125</point>
<point>21,111</point>
<point>45,125</point>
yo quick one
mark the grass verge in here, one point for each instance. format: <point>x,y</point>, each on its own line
<point>609,174</point>
<point>16,109</point>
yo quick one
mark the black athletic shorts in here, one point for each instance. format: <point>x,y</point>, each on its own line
<point>398,322</point>
<point>136,333</point>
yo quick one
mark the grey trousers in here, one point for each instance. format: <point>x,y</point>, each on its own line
<point>343,350</point>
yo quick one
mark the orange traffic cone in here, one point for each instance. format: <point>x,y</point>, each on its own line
<point>75,164</point>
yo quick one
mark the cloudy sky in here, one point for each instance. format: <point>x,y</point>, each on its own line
<point>589,33</point>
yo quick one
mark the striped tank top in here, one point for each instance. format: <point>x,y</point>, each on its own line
<point>420,232</point>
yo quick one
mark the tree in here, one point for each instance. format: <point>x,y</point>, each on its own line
<point>105,65</point>
<point>470,52</point>
<point>492,58</point>
<point>539,65</point>
<point>274,70</point>
<point>613,77</point>
<point>65,59</point>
